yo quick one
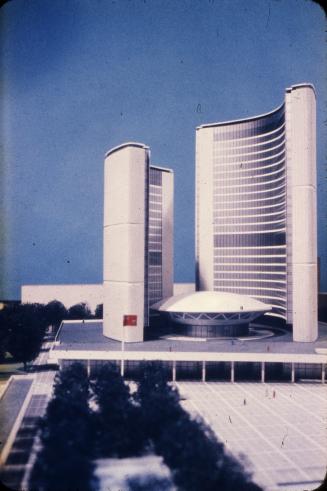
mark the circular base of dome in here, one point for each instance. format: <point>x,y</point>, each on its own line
<point>209,331</point>
<point>254,334</point>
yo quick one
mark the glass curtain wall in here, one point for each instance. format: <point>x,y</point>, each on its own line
<point>249,209</point>
<point>155,236</point>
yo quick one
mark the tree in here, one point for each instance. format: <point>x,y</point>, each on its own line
<point>159,401</point>
<point>149,483</point>
<point>79,311</point>
<point>26,324</point>
<point>4,334</point>
<point>55,312</point>
<point>119,432</point>
<point>72,384</point>
<point>65,460</point>
<point>99,311</point>
<point>198,461</point>
<point>189,448</point>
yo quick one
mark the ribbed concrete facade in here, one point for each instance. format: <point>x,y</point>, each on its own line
<point>124,241</point>
<point>138,240</point>
<point>256,209</point>
<point>302,283</point>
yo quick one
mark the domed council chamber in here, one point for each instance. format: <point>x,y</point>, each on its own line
<point>209,313</point>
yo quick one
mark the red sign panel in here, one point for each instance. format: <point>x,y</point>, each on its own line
<point>130,320</point>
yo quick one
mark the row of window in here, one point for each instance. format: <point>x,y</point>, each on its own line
<point>155,195</point>
<point>243,129</point>
<point>233,142</point>
<point>251,210</point>
<point>225,219</point>
<point>238,197</point>
<point>250,260</point>
<point>274,139</point>
<point>253,291</point>
<point>279,268</point>
<point>254,278</point>
<point>258,175</point>
<point>155,206</point>
<point>155,177</point>
<point>245,240</point>
<point>155,257</point>
<point>243,178</point>
<point>242,190</point>
<point>251,230</point>
<point>242,168</point>
<point>155,213</point>
<point>226,159</point>
<point>237,201</point>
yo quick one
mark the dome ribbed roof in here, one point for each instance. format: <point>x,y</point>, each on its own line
<point>210,301</point>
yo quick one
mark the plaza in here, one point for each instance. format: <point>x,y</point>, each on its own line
<point>279,428</point>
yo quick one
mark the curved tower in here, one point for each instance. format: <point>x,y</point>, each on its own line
<point>256,209</point>
<point>126,175</point>
<point>138,240</point>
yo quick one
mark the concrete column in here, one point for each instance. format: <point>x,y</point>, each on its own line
<point>323,373</point>
<point>302,210</point>
<point>174,371</point>
<point>203,371</point>
<point>263,372</point>
<point>232,372</point>
<point>88,368</point>
<point>293,374</point>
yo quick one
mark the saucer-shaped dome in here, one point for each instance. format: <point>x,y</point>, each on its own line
<point>211,302</point>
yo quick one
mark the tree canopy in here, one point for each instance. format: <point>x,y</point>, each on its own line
<point>22,328</point>
<point>99,311</point>
<point>65,461</point>
<point>79,311</point>
<point>118,421</point>
<point>189,448</point>
<point>55,312</point>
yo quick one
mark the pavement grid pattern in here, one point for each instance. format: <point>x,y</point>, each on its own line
<point>280,429</point>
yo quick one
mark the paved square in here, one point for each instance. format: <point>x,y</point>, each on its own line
<point>281,429</point>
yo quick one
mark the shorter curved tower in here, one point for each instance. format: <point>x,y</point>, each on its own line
<point>126,174</point>
<point>138,240</point>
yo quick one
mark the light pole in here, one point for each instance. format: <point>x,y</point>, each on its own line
<point>122,351</point>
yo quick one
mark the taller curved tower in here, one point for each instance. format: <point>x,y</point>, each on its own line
<point>256,209</point>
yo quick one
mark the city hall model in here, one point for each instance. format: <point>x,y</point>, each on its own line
<point>255,227</point>
<point>256,237</point>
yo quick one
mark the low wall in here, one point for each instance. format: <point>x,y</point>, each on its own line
<point>67,294</point>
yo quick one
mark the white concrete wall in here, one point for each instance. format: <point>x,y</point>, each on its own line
<point>204,208</point>
<point>302,231</point>
<point>67,294</point>
<point>181,288</point>
<point>167,234</point>
<point>124,241</point>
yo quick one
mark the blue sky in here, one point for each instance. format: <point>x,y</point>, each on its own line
<point>82,76</point>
